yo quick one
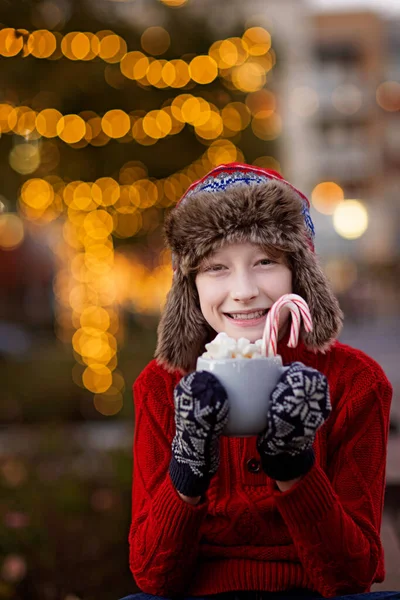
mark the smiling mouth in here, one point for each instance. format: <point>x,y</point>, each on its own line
<point>249,316</point>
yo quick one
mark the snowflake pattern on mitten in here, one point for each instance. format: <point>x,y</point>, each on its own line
<point>300,404</point>
<point>201,413</point>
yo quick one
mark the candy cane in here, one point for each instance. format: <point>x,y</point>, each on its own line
<point>272,327</point>
<point>298,308</point>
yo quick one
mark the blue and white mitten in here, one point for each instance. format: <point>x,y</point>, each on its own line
<point>300,404</point>
<point>201,413</point>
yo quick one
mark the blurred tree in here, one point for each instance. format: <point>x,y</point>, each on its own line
<point>72,86</point>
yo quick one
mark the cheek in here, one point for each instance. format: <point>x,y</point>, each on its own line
<point>205,292</point>
<point>279,284</point>
<point>209,294</point>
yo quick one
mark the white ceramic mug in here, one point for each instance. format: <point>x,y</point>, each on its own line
<point>249,383</point>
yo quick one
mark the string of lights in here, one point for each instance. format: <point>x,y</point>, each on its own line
<point>242,63</point>
<point>209,122</point>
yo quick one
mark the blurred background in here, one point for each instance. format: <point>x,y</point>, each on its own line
<point>109,110</point>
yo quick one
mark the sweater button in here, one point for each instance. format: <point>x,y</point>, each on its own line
<point>253,465</point>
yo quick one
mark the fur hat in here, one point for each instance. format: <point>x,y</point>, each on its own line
<point>239,203</point>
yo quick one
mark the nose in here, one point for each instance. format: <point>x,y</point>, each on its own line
<point>244,288</point>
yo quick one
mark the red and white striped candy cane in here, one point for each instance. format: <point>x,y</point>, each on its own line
<point>298,308</point>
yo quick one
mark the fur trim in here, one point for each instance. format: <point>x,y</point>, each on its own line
<point>182,331</point>
<point>267,214</point>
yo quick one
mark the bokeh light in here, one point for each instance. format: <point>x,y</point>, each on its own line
<point>155,40</point>
<point>42,43</point>
<point>223,151</point>
<point>257,40</point>
<point>116,123</point>
<point>37,193</point>
<point>105,191</point>
<point>236,116</point>
<point>249,77</point>
<point>71,128</point>
<point>134,65</point>
<point>347,99</point>
<point>14,568</point>
<point>388,96</point>
<point>80,46</point>
<point>326,196</point>
<point>97,378</point>
<point>267,162</point>
<point>112,48</point>
<point>46,122</point>
<point>11,42</point>
<point>350,219</point>
<point>203,69</point>
<point>5,112</point>
<point>11,231</point>
<point>98,224</point>
<point>267,127</point>
<point>174,3</point>
<point>157,124</point>
<point>25,158</point>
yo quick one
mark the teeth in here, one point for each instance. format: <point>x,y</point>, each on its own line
<point>253,315</point>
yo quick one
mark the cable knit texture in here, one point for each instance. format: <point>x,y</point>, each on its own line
<point>322,534</point>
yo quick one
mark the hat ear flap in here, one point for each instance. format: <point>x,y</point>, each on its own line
<point>311,283</point>
<point>182,331</point>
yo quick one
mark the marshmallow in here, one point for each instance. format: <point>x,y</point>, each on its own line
<point>224,346</point>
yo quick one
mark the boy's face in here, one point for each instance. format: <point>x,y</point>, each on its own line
<point>237,285</point>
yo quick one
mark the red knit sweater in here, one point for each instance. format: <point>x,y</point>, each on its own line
<point>322,534</point>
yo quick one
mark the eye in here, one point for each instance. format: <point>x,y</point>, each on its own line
<point>266,261</point>
<point>214,268</point>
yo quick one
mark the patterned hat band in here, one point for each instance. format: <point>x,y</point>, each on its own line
<point>226,177</point>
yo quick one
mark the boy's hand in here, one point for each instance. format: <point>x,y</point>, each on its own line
<point>299,406</point>
<point>201,413</point>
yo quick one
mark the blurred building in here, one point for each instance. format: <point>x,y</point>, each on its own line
<point>356,61</point>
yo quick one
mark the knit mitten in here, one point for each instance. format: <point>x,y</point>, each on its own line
<point>201,413</point>
<point>299,406</point>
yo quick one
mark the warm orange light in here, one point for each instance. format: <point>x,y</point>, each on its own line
<point>37,193</point>
<point>257,40</point>
<point>174,3</point>
<point>236,116</point>
<point>134,65</point>
<point>326,196</point>
<point>5,112</point>
<point>249,77</point>
<point>97,378</point>
<point>46,122</point>
<point>157,124</point>
<point>116,123</point>
<point>221,152</point>
<point>263,102</point>
<point>71,128</point>
<point>105,191</point>
<point>212,128</point>
<point>80,46</point>
<point>11,42</point>
<point>267,128</point>
<point>155,40</point>
<point>203,69</point>
<point>42,43</point>
<point>112,48</point>
<point>11,231</point>
<point>98,224</point>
